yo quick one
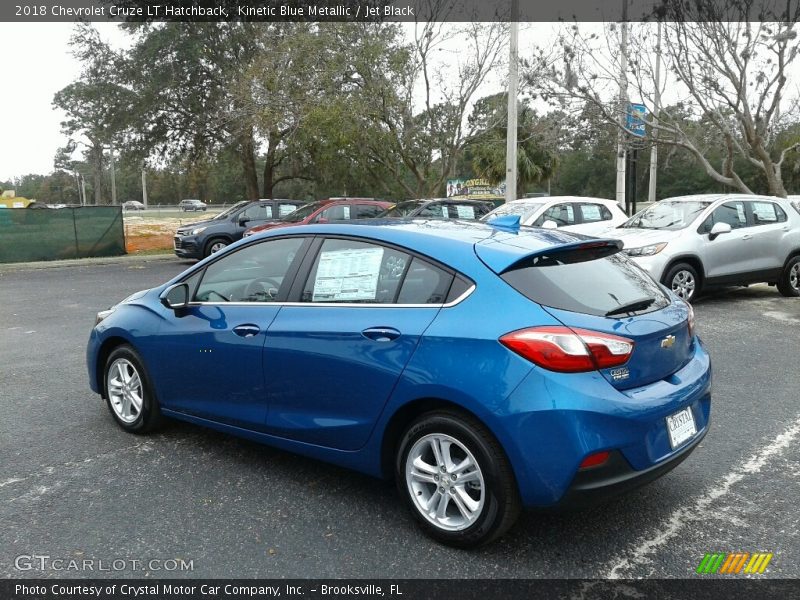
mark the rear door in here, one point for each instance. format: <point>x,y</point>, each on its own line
<point>333,357</point>
<point>769,226</point>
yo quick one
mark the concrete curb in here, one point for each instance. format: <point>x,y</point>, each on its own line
<point>88,262</point>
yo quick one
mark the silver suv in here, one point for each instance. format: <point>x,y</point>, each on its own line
<point>693,243</point>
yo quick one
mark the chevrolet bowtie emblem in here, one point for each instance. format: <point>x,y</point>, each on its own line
<point>668,341</point>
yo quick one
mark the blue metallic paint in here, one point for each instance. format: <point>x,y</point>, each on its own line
<point>547,422</point>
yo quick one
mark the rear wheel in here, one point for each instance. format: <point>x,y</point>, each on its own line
<point>682,279</point>
<point>789,283</point>
<point>456,480</point>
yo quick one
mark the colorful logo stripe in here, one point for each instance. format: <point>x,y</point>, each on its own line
<point>734,563</point>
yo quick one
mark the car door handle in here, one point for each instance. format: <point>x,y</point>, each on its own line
<point>381,334</point>
<point>246,331</point>
<point>746,236</point>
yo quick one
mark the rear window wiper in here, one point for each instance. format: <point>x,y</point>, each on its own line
<point>639,304</point>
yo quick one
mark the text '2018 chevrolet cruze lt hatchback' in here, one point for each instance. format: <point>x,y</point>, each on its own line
<point>487,368</point>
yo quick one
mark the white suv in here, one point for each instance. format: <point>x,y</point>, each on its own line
<point>699,242</point>
<point>589,216</point>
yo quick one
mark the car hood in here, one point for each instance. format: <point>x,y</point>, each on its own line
<point>190,226</point>
<point>636,238</point>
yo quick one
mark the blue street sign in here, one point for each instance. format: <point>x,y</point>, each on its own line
<point>635,119</point>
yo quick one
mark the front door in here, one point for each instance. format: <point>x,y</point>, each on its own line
<point>211,353</point>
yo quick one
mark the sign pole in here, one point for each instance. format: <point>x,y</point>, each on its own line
<point>511,134</point>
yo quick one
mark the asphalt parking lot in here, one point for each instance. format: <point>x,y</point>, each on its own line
<point>73,485</point>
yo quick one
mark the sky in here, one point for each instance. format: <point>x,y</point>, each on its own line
<point>36,63</point>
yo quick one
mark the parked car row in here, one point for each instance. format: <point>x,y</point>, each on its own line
<point>690,244</point>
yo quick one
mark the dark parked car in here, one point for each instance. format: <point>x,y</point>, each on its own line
<point>132,205</point>
<point>326,211</point>
<point>203,238</point>
<point>485,368</point>
<point>439,208</point>
<point>192,205</point>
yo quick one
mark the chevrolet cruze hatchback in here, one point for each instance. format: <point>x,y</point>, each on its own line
<point>486,368</point>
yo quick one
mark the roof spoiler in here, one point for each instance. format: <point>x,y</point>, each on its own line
<point>574,252</point>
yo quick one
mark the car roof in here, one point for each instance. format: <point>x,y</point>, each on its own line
<point>453,242</point>
<point>716,197</point>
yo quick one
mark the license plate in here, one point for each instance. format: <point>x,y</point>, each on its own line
<point>681,427</point>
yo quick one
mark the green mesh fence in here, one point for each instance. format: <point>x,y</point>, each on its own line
<point>28,234</point>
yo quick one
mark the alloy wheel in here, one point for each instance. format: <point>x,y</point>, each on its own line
<point>794,276</point>
<point>445,482</point>
<point>683,284</point>
<point>125,390</point>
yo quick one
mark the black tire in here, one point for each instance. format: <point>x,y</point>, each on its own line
<point>789,282</point>
<point>211,243</point>
<point>683,280</point>
<point>149,416</point>
<point>501,503</point>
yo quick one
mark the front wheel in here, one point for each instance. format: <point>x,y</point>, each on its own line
<point>682,279</point>
<point>789,283</point>
<point>129,394</point>
<point>456,480</point>
<point>215,246</point>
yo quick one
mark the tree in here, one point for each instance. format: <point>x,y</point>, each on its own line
<point>536,142</point>
<point>725,70</point>
<point>413,103</point>
<point>96,105</point>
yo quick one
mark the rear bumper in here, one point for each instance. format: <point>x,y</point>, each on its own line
<point>616,477</point>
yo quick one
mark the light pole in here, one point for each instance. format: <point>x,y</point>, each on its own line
<point>513,81</point>
<point>623,105</point>
<point>651,190</point>
<point>113,177</point>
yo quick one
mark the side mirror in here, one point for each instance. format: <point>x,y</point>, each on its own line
<point>718,229</point>
<point>243,220</point>
<point>549,224</point>
<point>322,221</point>
<point>175,296</point>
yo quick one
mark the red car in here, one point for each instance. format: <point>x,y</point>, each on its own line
<point>325,211</point>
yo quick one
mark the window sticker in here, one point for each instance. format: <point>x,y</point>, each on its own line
<point>285,209</point>
<point>346,212</point>
<point>465,212</point>
<point>444,211</point>
<point>740,212</point>
<point>591,212</point>
<point>347,275</point>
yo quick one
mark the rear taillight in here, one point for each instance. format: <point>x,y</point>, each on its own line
<point>569,350</point>
<point>691,320</point>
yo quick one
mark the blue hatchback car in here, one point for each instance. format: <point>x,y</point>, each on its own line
<point>485,367</point>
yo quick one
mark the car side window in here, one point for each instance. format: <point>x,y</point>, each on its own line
<point>253,274</point>
<point>424,283</point>
<point>368,211</point>
<point>766,213</point>
<point>731,213</point>
<point>434,211</point>
<point>351,271</point>
<point>257,212</point>
<point>339,212</point>
<point>561,214</point>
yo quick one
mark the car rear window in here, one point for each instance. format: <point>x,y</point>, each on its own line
<point>595,286</point>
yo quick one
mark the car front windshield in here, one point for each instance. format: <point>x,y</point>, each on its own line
<point>232,209</point>
<point>401,209</point>
<point>523,209</point>
<point>666,214</point>
<point>301,213</point>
